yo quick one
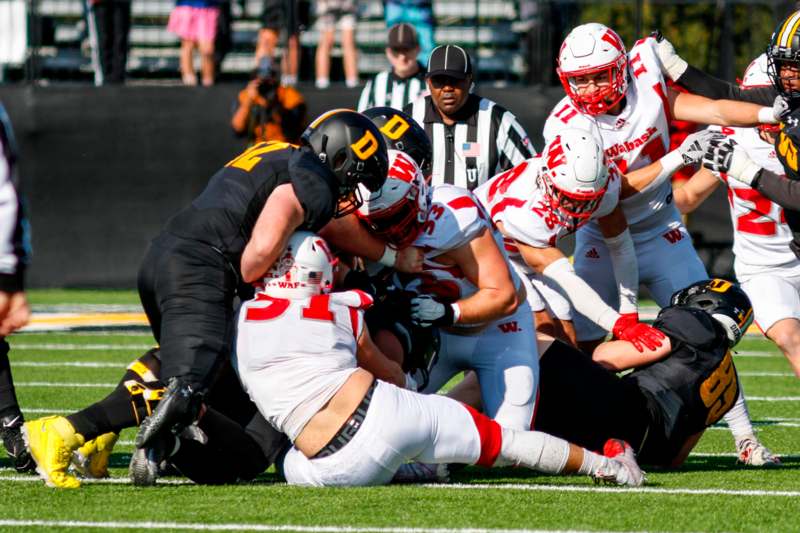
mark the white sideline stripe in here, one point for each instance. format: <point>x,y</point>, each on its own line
<point>786,456</point>
<point>262,527</point>
<point>620,490</point>
<point>773,398</point>
<point>762,424</point>
<point>80,364</point>
<point>48,346</point>
<point>754,353</point>
<point>67,385</point>
<point>767,374</point>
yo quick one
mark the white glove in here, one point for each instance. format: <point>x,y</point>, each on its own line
<point>672,65</point>
<point>411,383</point>
<point>426,312</point>
<point>774,114</point>
<point>694,146</point>
<point>725,157</point>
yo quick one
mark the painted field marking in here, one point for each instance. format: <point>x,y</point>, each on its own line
<point>757,353</point>
<point>257,527</point>
<point>77,364</point>
<point>65,385</point>
<point>78,346</point>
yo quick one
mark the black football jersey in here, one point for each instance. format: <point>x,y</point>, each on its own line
<point>693,387</point>
<point>787,144</point>
<point>224,214</point>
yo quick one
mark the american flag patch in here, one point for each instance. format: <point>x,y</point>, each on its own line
<point>471,149</point>
<point>314,278</point>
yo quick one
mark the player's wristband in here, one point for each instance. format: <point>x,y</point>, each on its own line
<point>389,256</point>
<point>766,115</point>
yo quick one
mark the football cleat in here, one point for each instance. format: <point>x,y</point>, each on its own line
<point>91,459</point>
<point>147,463</point>
<point>51,441</point>
<point>753,453</point>
<point>621,467</point>
<point>422,473</point>
<point>177,409</point>
<point>11,434</point>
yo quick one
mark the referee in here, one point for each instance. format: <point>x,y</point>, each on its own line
<point>473,137</point>
<point>405,80</point>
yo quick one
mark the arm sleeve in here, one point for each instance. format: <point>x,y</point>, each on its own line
<point>626,270</point>
<point>583,298</point>
<point>704,84</point>
<point>779,189</point>
<point>365,101</point>
<point>513,143</point>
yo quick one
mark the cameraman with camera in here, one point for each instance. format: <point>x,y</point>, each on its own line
<point>268,111</point>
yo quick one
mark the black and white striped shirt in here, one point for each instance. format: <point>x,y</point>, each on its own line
<point>488,140</point>
<point>386,89</point>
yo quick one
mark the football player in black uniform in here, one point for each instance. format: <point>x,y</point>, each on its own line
<point>229,237</point>
<point>672,396</point>
<point>674,393</point>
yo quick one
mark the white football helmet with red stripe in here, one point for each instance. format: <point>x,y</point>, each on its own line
<point>304,269</point>
<point>574,176</point>
<point>588,50</point>
<point>757,75</point>
<point>397,212</point>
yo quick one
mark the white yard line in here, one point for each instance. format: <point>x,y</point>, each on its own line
<point>258,527</point>
<point>79,364</point>
<point>619,490</point>
<point>55,384</point>
<point>757,353</point>
<point>78,346</point>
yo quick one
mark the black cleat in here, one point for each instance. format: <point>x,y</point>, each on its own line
<point>11,433</point>
<point>177,409</point>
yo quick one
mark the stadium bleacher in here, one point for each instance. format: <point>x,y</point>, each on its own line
<point>487,28</point>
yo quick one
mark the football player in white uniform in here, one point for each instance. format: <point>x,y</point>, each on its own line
<point>624,100</point>
<point>467,288</point>
<point>545,198</point>
<point>297,348</point>
<point>766,268</point>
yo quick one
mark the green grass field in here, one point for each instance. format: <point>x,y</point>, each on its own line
<point>62,372</point>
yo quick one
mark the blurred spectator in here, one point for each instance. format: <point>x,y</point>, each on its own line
<point>109,24</point>
<point>268,111</point>
<point>223,39</point>
<point>195,22</point>
<point>418,13</point>
<point>332,15</point>
<point>406,79</point>
<point>290,16</point>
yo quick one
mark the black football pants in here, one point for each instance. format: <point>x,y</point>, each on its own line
<point>9,406</point>
<point>187,290</point>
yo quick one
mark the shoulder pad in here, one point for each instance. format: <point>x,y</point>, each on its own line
<point>690,326</point>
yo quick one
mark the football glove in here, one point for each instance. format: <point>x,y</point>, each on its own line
<point>694,146</point>
<point>427,312</point>
<point>723,156</point>
<point>672,65</point>
<point>628,328</point>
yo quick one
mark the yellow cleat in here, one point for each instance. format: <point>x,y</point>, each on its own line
<point>52,440</point>
<point>91,459</point>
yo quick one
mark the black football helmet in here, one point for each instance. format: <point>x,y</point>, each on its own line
<point>724,300</point>
<point>784,47</point>
<point>401,132</point>
<point>353,148</point>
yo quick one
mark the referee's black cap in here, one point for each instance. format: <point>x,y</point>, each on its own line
<point>449,60</point>
<point>403,36</point>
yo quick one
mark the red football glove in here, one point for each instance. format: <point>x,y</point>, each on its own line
<point>628,328</point>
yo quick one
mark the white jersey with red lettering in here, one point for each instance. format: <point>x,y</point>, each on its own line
<point>516,199</point>
<point>761,236</point>
<point>635,138</point>
<point>455,218</point>
<point>293,355</point>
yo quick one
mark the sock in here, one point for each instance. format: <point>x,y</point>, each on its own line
<point>591,463</point>
<point>129,403</point>
<point>323,83</point>
<point>352,83</point>
<point>738,418</point>
<point>534,449</point>
<point>288,80</point>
